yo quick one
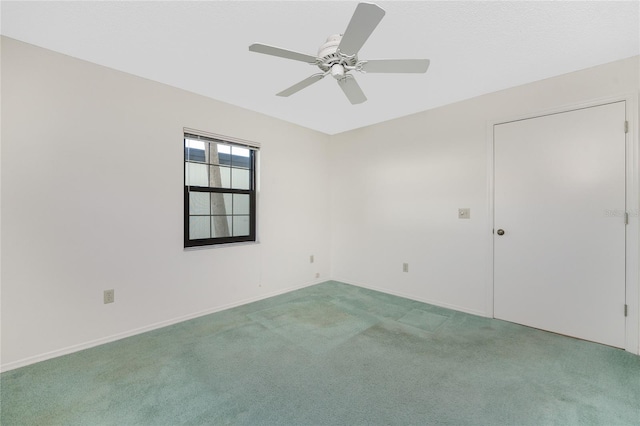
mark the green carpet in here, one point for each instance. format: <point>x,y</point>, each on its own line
<point>331,354</point>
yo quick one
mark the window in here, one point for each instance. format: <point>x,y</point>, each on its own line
<point>219,191</point>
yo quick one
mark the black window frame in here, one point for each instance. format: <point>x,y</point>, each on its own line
<point>199,242</point>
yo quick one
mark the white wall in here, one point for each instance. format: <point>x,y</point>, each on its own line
<point>92,175</point>
<point>92,199</point>
<point>397,186</point>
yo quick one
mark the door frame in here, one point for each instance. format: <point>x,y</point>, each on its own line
<point>632,234</point>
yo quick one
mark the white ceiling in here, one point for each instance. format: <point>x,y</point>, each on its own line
<point>475,47</point>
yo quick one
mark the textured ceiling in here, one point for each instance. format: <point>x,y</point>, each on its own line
<point>475,48</point>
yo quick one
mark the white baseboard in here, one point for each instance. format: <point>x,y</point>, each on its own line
<point>418,299</point>
<point>108,339</point>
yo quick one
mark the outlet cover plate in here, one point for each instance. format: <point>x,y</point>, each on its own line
<point>109,296</point>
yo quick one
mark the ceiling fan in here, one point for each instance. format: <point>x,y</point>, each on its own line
<point>339,55</point>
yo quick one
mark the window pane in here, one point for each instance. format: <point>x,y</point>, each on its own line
<point>196,174</point>
<point>199,227</point>
<point>236,150</point>
<point>224,153</point>
<point>198,203</point>
<point>193,154</point>
<point>240,226</point>
<point>220,204</point>
<point>224,149</point>
<point>240,203</point>
<point>194,150</point>
<point>240,157</point>
<point>240,178</point>
<point>220,177</point>
<point>221,226</point>
<point>213,153</point>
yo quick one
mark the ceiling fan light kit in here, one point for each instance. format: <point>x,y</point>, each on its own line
<point>339,55</point>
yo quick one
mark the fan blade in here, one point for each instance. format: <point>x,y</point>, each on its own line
<point>396,65</point>
<point>365,19</point>
<point>283,53</point>
<point>350,87</point>
<point>301,85</point>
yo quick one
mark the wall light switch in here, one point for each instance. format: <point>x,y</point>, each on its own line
<point>464,213</point>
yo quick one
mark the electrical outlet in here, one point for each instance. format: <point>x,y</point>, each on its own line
<point>464,213</point>
<point>311,259</point>
<point>109,296</point>
<point>405,267</point>
<point>317,274</point>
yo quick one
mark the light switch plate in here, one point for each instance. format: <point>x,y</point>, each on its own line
<point>464,213</point>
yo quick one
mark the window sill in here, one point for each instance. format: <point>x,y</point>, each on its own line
<point>220,246</point>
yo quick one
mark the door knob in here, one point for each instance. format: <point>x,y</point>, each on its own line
<point>500,232</point>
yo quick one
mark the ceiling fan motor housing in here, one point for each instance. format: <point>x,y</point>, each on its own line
<point>338,56</point>
<point>328,55</point>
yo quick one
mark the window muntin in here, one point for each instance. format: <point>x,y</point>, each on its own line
<point>219,190</point>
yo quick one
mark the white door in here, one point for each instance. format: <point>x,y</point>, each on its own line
<point>560,200</point>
